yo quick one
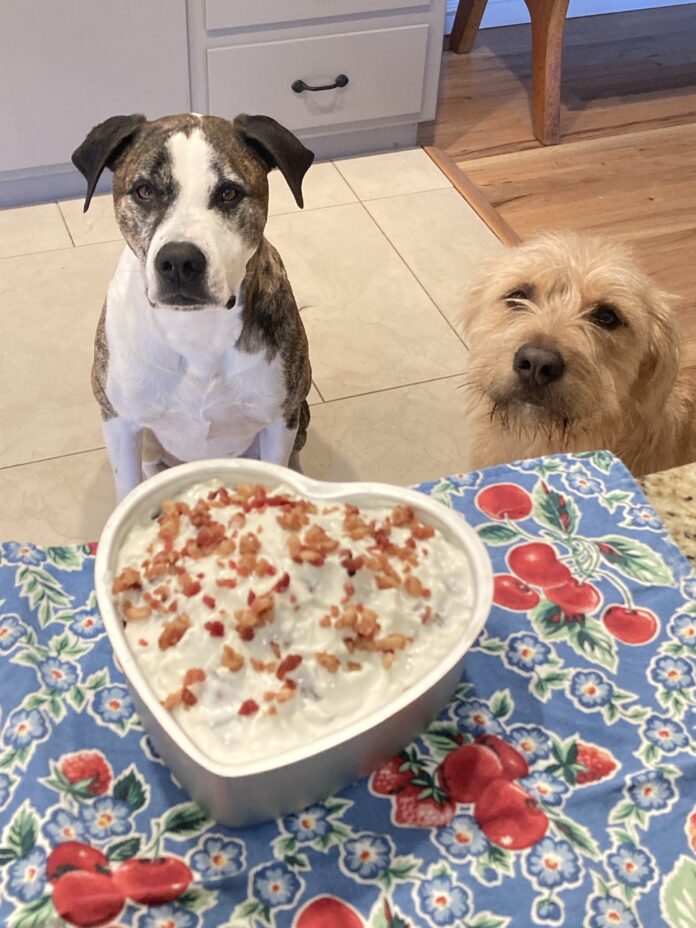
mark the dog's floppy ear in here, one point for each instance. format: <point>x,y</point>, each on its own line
<point>103,147</point>
<point>661,362</point>
<point>278,148</point>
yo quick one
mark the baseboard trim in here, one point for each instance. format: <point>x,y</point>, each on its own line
<point>473,196</point>
<point>43,185</point>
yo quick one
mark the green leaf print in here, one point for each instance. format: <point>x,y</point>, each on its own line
<point>186,820</point>
<point>634,559</point>
<point>494,534</point>
<point>66,558</point>
<point>678,895</point>
<point>21,835</point>
<point>554,509</point>
<point>42,590</point>
<point>36,914</point>
<point>129,788</point>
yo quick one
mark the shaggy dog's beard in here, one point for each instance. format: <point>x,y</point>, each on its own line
<point>526,418</point>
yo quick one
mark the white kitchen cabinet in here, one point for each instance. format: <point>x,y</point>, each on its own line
<point>66,65</point>
<point>247,57</point>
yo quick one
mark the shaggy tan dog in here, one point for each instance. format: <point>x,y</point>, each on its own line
<point>573,348</point>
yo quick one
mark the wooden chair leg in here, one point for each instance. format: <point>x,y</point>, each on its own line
<point>466,23</point>
<point>548,23</point>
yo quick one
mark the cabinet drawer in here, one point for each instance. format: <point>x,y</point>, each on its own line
<point>385,69</point>
<point>234,14</point>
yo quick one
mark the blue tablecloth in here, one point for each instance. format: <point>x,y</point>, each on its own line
<point>595,692</point>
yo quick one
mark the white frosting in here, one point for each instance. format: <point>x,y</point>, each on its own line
<point>323,701</point>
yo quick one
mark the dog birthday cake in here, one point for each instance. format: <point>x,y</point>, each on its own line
<point>263,620</point>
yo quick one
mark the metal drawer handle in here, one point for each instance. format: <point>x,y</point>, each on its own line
<point>299,85</point>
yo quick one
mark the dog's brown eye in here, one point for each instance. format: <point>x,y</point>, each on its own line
<point>145,191</point>
<point>606,317</point>
<point>228,193</point>
<point>515,298</point>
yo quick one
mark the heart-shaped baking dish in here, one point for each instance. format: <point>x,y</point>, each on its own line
<point>243,793</point>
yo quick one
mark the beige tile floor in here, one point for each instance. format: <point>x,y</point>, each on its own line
<point>379,260</point>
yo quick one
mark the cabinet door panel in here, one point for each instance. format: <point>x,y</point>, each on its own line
<point>235,14</point>
<point>385,68</point>
<point>66,65</point>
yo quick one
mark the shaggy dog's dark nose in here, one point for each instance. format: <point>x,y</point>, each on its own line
<point>180,263</point>
<point>538,367</point>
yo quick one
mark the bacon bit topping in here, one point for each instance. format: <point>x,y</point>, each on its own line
<point>292,519</point>
<point>174,631</point>
<point>264,568</point>
<point>238,520</point>
<point>194,675</point>
<point>328,661</point>
<point>251,596</point>
<point>143,642</point>
<point>249,544</point>
<point>352,564</point>
<point>263,608</point>
<point>294,548</point>
<point>231,659</point>
<point>393,642</point>
<point>215,628</point>
<point>325,621</point>
<point>248,707</point>
<point>402,515</point>
<point>172,700</point>
<point>348,619</point>
<point>169,520</point>
<point>188,697</point>
<point>163,592</point>
<point>275,647</point>
<point>246,633</point>
<point>136,613</point>
<point>349,589</point>
<point>288,664</point>
<point>271,710</point>
<point>426,615</point>
<point>413,586</point>
<point>209,601</point>
<point>226,547</point>
<point>230,583</point>
<point>128,579</point>
<point>263,666</point>
<point>246,565</point>
<point>367,625</point>
<point>286,693</point>
<point>386,582</point>
<point>282,584</point>
<point>209,537</point>
<point>353,666</point>
<point>187,585</point>
<point>421,532</point>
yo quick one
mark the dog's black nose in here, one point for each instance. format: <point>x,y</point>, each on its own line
<point>538,366</point>
<point>180,263</point>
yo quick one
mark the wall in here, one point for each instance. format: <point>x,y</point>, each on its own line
<point>507,12</point>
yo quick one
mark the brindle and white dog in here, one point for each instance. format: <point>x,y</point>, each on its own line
<point>200,345</point>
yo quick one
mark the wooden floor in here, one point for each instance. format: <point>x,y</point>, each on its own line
<point>626,165</point>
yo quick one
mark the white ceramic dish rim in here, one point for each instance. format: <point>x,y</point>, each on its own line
<point>150,494</point>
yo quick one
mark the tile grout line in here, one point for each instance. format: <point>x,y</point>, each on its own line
<point>56,457</point>
<point>321,395</point>
<point>412,272</point>
<point>399,386</point>
<point>65,223</point>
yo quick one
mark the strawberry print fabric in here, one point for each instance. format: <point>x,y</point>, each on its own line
<point>556,788</point>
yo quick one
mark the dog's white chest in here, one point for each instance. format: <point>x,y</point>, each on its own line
<point>179,374</point>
